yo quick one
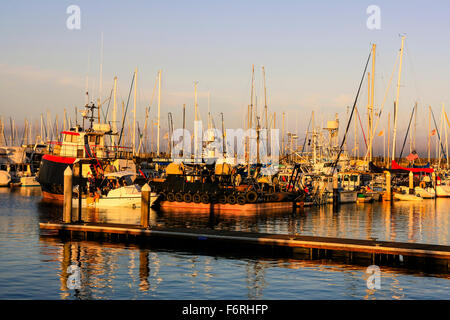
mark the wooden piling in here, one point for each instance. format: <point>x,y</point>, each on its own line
<point>80,190</point>
<point>335,191</point>
<point>411,182</point>
<point>145,205</point>
<point>67,209</point>
<point>388,194</point>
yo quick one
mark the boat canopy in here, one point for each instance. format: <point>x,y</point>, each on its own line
<point>395,165</point>
<point>120,174</point>
<point>396,168</point>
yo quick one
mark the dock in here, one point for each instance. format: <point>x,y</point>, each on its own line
<point>426,257</point>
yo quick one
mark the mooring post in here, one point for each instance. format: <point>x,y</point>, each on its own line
<point>335,191</point>
<point>388,195</point>
<point>411,182</point>
<point>434,183</point>
<point>80,190</point>
<point>67,209</point>
<point>145,205</point>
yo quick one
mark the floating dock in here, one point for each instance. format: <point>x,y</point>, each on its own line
<point>425,257</point>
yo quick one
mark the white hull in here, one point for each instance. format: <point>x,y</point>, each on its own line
<point>442,191</point>
<point>427,193</point>
<point>5,178</point>
<point>29,182</point>
<point>110,202</point>
<point>348,196</point>
<point>407,197</point>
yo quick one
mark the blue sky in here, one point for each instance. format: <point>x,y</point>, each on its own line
<point>313,52</point>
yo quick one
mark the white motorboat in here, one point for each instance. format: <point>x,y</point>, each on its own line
<point>124,194</point>
<point>425,193</point>
<point>27,181</point>
<point>5,178</point>
<point>442,190</point>
<point>406,197</point>
<point>127,196</point>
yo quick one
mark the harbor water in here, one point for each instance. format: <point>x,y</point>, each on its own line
<point>35,267</point>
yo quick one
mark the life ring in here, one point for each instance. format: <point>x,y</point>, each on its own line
<point>170,197</point>
<point>205,198</point>
<point>240,199</point>
<point>251,196</point>
<point>197,198</point>
<point>423,184</point>
<point>187,197</point>
<point>178,197</point>
<point>231,199</point>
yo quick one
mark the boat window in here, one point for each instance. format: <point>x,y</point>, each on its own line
<point>70,138</point>
<point>354,178</point>
<point>346,178</point>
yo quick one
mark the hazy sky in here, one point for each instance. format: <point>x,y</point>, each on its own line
<point>313,52</point>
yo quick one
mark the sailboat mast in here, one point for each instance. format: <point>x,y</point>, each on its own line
<point>429,133</point>
<point>134,111</point>
<point>114,112</point>
<point>372,102</point>
<point>100,85</point>
<point>368,111</point>
<point>396,100</point>
<point>389,138</point>
<point>265,100</point>
<point>415,126</point>
<point>159,113</point>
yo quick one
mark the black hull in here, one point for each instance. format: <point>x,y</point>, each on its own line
<point>51,177</point>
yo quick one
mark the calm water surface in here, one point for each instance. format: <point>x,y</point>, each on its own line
<point>34,267</point>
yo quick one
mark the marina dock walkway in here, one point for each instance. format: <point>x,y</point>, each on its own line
<point>427,257</point>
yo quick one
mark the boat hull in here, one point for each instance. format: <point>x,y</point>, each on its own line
<point>112,202</point>
<point>348,196</point>
<point>442,191</point>
<point>51,176</point>
<point>406,197</point>
<point>29,182</point>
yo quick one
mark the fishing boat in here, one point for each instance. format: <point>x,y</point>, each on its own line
<point>82,145</point>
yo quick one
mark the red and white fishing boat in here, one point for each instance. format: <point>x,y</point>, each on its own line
<point>88,146</point>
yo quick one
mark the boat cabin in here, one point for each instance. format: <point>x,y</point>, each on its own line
<point>78,143</point>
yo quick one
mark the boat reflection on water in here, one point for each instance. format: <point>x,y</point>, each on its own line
<point>147,272</point>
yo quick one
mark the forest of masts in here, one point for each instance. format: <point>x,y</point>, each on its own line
<point>147,138</point>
